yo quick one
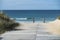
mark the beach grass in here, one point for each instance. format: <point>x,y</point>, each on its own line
<point>6,24</point>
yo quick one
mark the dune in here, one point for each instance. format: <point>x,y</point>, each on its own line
<point>53,27</point>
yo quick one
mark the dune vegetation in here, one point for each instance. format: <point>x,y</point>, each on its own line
<point>58,17</point>
<point>7,24</point>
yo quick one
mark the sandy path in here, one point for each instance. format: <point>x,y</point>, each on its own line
<point>35,31</point>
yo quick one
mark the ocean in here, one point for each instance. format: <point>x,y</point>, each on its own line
<point>39,15</point>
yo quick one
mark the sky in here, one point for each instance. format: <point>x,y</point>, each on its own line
<point>30,4</point>
<point>0,3</point>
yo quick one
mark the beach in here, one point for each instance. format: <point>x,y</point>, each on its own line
<point>34,31</point>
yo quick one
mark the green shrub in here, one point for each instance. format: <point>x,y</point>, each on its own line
<point>59,17</point>
<point>6,24</point>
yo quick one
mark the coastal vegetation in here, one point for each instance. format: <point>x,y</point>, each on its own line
<point>7,24</point>
<point>59,17</point>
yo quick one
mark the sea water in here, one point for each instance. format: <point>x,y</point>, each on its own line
<point>32,13</point>
<point>38,15</point>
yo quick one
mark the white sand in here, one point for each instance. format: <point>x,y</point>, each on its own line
<point>53,27</point>
<point>30,29</point>
<point>27,26</point>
